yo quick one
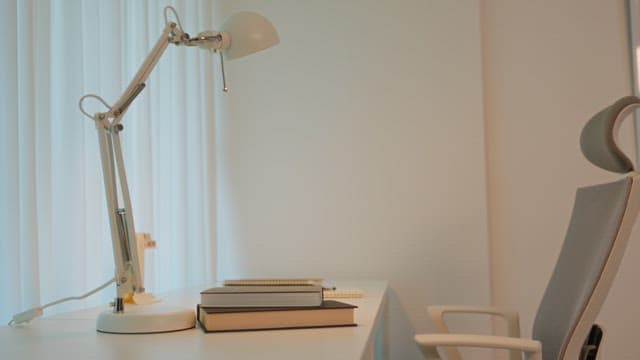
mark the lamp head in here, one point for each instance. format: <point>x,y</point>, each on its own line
<point>242,34</point>
<point>249,33</point>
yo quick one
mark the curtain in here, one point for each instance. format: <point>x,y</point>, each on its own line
<point>54,235</point>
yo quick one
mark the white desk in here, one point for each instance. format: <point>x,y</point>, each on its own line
<point>73,336</point>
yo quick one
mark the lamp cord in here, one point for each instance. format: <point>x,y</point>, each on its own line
<point>94,96</point>
<point>175,13</point>
<point>35,312</point>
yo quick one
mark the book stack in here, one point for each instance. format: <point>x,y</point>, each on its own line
<point>264,304</point>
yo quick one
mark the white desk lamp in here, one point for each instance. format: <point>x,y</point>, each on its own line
<point>242,34</point>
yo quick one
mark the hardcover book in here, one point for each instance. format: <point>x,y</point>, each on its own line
<point>330,314</point>
<point>261,296</point>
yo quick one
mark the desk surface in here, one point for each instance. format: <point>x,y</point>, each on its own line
<point>73,336</point>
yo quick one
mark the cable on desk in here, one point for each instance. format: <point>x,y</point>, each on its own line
<point>35,312</point>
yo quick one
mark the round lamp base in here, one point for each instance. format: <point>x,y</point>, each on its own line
<point>146,319</point>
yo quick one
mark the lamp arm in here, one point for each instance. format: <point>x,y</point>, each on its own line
<point>128,277</point>
<point>125,252</point>
<point>170,34</point>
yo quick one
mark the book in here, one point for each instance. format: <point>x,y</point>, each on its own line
<point>330,314</point>
<point>261,296</point>
<point>273,282</point>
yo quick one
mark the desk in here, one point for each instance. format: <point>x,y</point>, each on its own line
<point>73,336</point>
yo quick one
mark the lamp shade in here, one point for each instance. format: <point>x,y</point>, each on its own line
<point>249,33</point>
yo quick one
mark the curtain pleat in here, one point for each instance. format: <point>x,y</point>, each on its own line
<point>29,267</point>
<point>9,159</point>
<point>54,235</point>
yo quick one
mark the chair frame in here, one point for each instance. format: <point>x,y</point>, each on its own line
<point>532,349</point>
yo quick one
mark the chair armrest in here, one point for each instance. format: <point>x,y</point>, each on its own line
<point>428,342</point>
<point>436,313</point>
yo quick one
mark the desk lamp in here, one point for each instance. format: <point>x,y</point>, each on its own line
<point>242,34</point>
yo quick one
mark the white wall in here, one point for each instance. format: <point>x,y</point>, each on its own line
<point>355,149</point>
<point>548,67</point>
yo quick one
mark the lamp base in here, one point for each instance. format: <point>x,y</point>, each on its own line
<point>146,319</point>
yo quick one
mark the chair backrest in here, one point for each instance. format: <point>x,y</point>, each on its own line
<point>598,232</point>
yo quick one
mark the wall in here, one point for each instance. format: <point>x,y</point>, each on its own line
<point>355,149</point>
<point>549,66</point>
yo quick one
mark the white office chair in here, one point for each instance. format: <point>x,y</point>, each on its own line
<point>598,232</point>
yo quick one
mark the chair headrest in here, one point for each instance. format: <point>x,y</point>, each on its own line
<point>598,138</point>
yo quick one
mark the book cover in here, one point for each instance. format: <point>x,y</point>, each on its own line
<point>262,296</point>
<point>273,281</point>
<point>223,319</point>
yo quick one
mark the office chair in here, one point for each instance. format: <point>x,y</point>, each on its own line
<point>598,232</point>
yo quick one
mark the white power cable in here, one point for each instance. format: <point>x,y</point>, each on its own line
<point>35,312</point>
<point>95,97</point>
<point>175,14</point>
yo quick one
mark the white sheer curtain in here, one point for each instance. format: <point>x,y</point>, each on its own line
<point>54,236</point>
